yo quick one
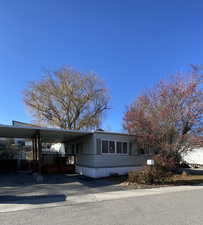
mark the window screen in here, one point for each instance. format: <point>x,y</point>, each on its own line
<point>125,149</point>
<point>79,148</point>
<point>105,147</point>
<point>112,147</point>
<point>141,151</point>
<point>119,147</point>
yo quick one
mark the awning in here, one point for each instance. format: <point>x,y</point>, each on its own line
<point>49,135</point>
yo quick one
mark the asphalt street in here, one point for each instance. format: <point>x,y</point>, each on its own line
<point>177,208</point>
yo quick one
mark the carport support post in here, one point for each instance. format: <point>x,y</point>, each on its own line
<point>39,143</point>
<point>35,143</point>
<point>38,152</point>
<point>33,149</point>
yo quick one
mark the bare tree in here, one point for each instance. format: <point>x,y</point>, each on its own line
<point>67,99</point>
<point>169,118</point>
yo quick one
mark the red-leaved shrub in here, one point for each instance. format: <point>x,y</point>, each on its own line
<point>160,172</point>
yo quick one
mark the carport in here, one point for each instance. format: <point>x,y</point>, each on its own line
<point>40,135</point>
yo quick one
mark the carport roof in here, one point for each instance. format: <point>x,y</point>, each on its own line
<point>47,134</point>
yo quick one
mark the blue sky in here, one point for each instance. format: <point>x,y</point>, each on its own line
<point>131,44</point>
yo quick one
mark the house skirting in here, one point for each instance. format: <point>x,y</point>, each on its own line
<point>104,172</point>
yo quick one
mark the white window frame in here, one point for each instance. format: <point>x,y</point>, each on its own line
<point>121,148</point>
<point>115,142</point>
<point>115,150</point>
<point>127,153</point>
<point>102,147</point>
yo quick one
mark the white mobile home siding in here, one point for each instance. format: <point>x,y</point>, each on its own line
<point>118,160</point>
<point>94,163</point>
<point>86,157</point>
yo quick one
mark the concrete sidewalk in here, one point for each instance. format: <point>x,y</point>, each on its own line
<point>98,197</point>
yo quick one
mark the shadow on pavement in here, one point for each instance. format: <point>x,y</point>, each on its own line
<point>21,179</point>
<point>34,199</point>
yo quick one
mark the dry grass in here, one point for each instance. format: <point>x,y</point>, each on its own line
<point>175,180</point>
<point>187,179</point>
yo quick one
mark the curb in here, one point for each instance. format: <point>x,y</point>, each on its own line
<point>99,197</point>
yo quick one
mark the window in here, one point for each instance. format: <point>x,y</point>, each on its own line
<point>72,148</point>
<point>119,147</point>
<point>79,148</point>
<point>155,151</point>
<point>122,147</point>
<point>111,147</point>
<point>125,148</point>
<point>141,151</point>
<point>105,146</point>
<point>147,151</point>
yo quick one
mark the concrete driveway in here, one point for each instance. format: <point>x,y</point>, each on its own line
<point>20,188</point>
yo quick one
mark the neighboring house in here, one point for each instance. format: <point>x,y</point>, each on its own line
<point>195,157</point>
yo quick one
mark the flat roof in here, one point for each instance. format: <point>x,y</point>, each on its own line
<point>113,133</point>
<point>53,135</point>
